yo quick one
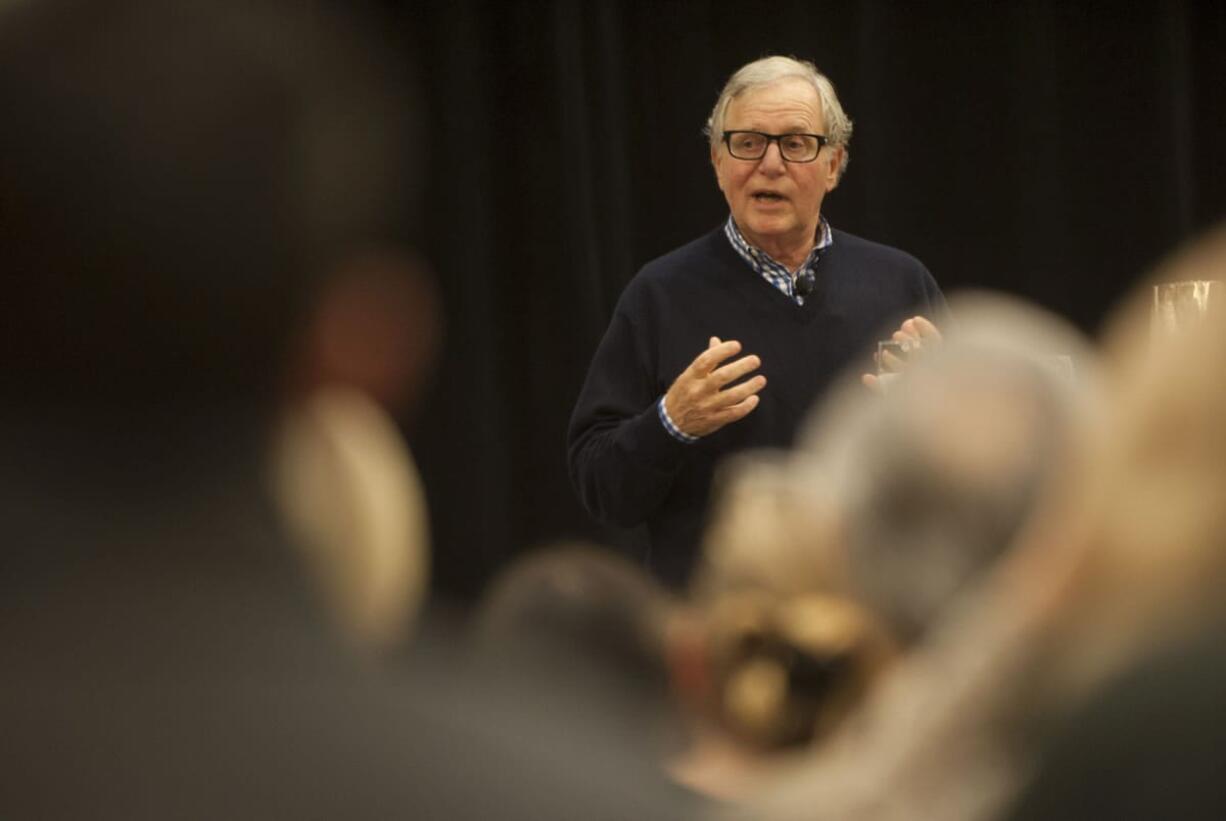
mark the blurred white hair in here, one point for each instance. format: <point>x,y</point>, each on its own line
<point>936,479</point>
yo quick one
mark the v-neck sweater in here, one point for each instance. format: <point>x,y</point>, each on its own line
<point>626,467</point>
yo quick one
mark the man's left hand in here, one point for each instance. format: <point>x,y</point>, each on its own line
<point>915,333</point>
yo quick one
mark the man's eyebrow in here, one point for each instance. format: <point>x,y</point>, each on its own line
<point>791,129</point>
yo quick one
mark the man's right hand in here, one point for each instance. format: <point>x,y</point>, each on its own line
<point>699,403</point>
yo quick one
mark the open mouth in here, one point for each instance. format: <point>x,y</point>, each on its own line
<point>768,196</point>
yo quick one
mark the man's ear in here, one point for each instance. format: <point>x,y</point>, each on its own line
<point>838,155</point>
<point>375,327</point>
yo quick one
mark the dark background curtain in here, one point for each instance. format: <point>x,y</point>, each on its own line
<point>1051,150</point>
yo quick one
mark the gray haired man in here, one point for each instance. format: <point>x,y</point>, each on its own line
<point>724,343</point>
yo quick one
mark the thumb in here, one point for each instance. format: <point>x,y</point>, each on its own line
<point>714,341</point>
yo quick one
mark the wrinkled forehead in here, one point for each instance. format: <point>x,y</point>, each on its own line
<point>788,104</point>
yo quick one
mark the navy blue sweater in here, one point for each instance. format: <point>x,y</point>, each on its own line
<point>627,468</point>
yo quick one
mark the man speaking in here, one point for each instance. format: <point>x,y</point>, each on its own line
<point>724,344</point>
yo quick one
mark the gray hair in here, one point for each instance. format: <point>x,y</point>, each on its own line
<point>769,70</point>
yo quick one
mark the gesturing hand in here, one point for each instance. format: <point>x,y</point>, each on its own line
<point>699,401</point>
<point>915,333</point>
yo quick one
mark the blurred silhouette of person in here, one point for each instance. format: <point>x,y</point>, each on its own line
<point>934,482</point>
<point>579,636</point>
<point>893,506</point>
<point>903,499</point>
<point>204,213</point>
<point>774,527</point>
<point>922,493</point>
<point>189,254</point>
<point>1148,745</point>
<point>705,692</point>
<point>767,676</point>
<point>1133,665</point>
<point>576,601</point>
<point>1087,666</point>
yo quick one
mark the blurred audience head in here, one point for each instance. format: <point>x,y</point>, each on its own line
<point>182,181</point>
<point>1120,587</point>
<point>740,669</point>
<point>775,653</point>
<point>1145,523</point>
<point>207,215</point>
<point>583,609</point>
<point>926,493</point>
<point>936,479</point>
<point>773,527</point>
<point>784,671</point>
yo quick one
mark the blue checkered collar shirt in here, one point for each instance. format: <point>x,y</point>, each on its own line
<point>769,269</point>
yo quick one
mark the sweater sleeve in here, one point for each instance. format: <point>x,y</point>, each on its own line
<point>622,460</point>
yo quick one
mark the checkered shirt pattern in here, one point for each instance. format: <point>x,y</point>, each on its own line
<point>770,270</point>
<point>671,427</point>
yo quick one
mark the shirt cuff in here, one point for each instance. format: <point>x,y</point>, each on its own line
<point>673,430</point>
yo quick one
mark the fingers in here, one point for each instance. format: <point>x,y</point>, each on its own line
<point>700,400</point>
<point>891,363</point>
<point>878,383</point>
<point>927,329</point>
<point>707,361</point>
<point>742,391</point>
<point>741,409</point>
<point>920,328</point>
<point>905,337</point>
<point>735,370</point>
<point>915,333</point>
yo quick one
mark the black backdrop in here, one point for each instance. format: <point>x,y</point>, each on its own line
<point>1051,150</point>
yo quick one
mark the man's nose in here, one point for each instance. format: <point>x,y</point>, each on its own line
<point>772,160</point>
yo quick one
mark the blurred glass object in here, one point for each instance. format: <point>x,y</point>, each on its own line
<point>1180,306</point>
<point>891,355</point>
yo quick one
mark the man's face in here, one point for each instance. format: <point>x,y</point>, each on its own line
<point>776,204</point>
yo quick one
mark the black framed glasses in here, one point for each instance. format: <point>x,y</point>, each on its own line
<point>795,147</point>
